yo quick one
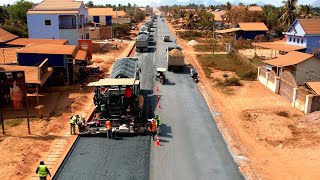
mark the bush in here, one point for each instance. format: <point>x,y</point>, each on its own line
<point>233,81</point>
<point>121,29</point>
<point>21,31</point>
<point>282,113</point>
<point>225,75</point>
<point>188,35</point>
<point>247,75</point>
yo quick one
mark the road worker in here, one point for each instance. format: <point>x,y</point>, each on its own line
<point>157,118</point>
<point>43,171</point>
<point>73,121</point>
<point>153,128</point>
<point>109,128</point>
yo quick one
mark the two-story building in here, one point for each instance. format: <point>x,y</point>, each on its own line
<point>107,16</point>
<point>304,33</point>
<point>58,19</point>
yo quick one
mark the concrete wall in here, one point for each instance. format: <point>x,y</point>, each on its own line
<point>73,35</point>
<point>38,29</point>
<point>293,40</point>
<point>313,42</point>
<point>308,71</point>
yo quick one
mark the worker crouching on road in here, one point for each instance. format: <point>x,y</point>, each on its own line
<point>153,128</point>
<point>157,118</point>
<point>109,128</point>
<point>43,171</point>
<point>73,121</point>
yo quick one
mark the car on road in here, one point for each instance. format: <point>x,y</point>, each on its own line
<point>166,38</point>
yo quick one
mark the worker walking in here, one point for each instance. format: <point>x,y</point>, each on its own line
<point>73,121</point>
<point>157,118</point>
<point>153,128</point>
<point>43,171</point>
<point>109,128</point>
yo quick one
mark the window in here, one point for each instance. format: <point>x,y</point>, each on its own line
<point>294,39</point>
<point>290,39</point>
<point>301,41</point>
<point>47,22</point>
<point>298,40</point>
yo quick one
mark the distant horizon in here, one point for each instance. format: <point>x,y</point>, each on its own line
<point>150,2</point>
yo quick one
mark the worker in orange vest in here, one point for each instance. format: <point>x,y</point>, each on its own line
<point>109,128</point>
<point>153,127</point>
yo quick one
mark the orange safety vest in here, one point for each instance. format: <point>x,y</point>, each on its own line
<point>108,125</point>
<point>153,126</point>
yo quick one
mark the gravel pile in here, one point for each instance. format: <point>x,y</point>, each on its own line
<point>102,158</point>
<point>192,43</point>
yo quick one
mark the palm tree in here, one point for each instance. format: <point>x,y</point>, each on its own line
<point>228,9</point>
<point>289,14</point>
<point>305,11</point>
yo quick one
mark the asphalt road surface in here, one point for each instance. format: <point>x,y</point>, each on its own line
<point>191,144</point>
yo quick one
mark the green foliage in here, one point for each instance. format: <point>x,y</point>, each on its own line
<point>188,35</point>
<point>19,30</point>
<point>289,13</point>
<point>18,11</point>
<point>121,29</point>
<point>247,75</point>
<point>89,4</point>
<point>206,20</point>
<point>4,14</point>
<point>13,122</point>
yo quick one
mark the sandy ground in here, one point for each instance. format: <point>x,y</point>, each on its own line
<point>267,137</point>
<point>21,151</point>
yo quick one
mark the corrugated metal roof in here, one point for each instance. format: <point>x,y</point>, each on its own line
<point>81,55</point>
<point>228,30</point>
<point>50,49</point>
<point>5,36</point>
<point>28,41</point>
<point>253,26</point>
<point>52,12</point>
<point>278,45</point>
<point>315,86</point>
<point>291,58</point>
<point>124,67</point>
<point>105,12</point>
<point>31,73</point>
<point>8,55</point>
<point>142,37</point>
<point>51,5</point>
<point>255,8</point>
<point>113,82</point>
<point>310,26</point>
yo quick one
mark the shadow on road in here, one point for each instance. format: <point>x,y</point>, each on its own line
<point>170,83</point>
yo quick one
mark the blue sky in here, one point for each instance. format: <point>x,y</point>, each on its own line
<point>144,2</point>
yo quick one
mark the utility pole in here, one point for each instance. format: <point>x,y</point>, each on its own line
<point>213,38</point>
<point>117,15</point>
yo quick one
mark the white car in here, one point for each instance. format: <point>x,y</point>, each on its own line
<point>166,38</point>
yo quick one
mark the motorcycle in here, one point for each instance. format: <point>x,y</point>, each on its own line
<point>195,77</point>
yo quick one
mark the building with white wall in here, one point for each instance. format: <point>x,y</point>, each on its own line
<point>58,19</point>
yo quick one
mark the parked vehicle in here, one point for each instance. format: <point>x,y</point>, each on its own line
<point>175,58</point>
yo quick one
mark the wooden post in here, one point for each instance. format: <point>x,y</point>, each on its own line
<point>2,124</point>
<point>27,111</point>
<point>37,94</point>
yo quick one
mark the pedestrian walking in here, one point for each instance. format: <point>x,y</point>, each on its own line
<point>73,121</point>
<point>43,171</point>
<point>153,128</point>
<point>79,123</point>
<point>109,128</point>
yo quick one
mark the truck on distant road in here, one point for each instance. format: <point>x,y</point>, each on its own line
<point>142,43</point>
<point>175,58</point>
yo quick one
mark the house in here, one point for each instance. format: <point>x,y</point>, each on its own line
<point>5,36</point>
<point>107,16</point>
<point>8,56</point>
<point>304,67</point>
<point>304,33</point>
<point>250,30</point>
<point>218,17</point>
<point>63,19</point>
<point>22,42</point>
<point>255,9</point>
<point>65,59</point>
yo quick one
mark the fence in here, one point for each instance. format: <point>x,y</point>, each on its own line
<point>286,87</point>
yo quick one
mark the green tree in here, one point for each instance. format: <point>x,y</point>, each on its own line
<point>305,11</point>
<point>206,20</point>
<point>4,15</point>
<point>90,4</point>
<point>289,12</point>
<point>18,11</point>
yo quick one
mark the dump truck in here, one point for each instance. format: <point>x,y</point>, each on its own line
<point>175,58</point>
<point>142,43</point>
<point>149,24</point>
<point>118,99</point>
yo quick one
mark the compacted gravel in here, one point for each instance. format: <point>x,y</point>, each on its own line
<point>103,158</point>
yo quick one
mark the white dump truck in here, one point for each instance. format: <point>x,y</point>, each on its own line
<point>142,43</point>
<point>175,58</point>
